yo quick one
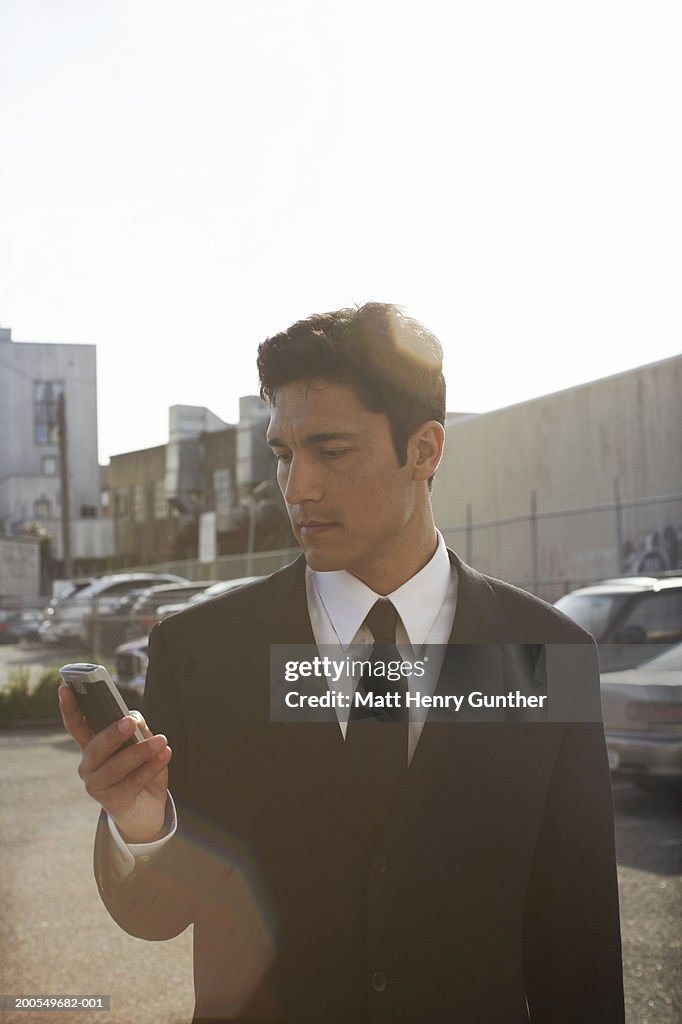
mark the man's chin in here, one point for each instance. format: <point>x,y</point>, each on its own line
<point>324,561</point>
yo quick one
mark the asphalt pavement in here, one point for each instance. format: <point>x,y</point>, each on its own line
<point>57,938</point>
<point>55,935</point>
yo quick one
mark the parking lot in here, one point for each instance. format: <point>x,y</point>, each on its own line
<point>55,935</point>
<point>35,658</point>
<point>57,938</point>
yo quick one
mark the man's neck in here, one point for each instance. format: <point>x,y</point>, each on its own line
<point>388,574</point>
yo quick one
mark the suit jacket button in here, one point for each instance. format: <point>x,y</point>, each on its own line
<point>379,863</point>
<point>378,981</point>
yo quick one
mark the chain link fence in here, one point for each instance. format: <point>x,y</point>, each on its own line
<point>550,552</point>
<point>546,551</point>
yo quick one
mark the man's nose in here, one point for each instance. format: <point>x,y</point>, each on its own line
<point>302,482</point>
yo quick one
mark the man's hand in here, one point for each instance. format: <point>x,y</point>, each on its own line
<point>131,784</point>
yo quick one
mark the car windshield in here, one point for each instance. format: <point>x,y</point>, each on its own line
<point>669,661</point>
<point>594,612</point>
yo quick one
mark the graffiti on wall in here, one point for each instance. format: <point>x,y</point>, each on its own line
<point>656,551</point>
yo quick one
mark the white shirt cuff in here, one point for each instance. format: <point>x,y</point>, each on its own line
<point>126,856</point>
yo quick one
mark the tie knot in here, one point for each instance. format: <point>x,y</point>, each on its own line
<point>381,620</point>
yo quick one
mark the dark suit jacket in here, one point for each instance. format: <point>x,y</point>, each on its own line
<point>487,894</point>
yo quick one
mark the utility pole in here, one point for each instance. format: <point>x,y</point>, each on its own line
<point>534,538</point>
<point>254,499</point>
<point>64,480</point>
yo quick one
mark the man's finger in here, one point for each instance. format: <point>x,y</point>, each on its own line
<point>141,778</point>
<point>141,724</point>
<point>151,776</point>
<point>120,766</point>
<point>72,717</point>
<point>107,742</point>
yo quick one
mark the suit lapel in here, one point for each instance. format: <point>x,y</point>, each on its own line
<point>479,616</point>
<point>290,621</point>
<point>319,745</point>
<point>479,620</point>
<point>472,662</point>
<point>472,656</point>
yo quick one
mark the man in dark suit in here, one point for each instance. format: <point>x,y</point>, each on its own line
<point>429,868</point>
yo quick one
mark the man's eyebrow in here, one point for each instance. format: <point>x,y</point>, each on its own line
<point>322,436</point>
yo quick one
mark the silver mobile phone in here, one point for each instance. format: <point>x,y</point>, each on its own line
<point>97,696</point>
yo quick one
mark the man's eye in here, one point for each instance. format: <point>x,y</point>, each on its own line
<point>333,453</point>
<point>282,456</point>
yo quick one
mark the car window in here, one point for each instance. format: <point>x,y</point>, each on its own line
<point>118,588</point>
<point>594,612</point>
<point>179,594</point>
<point>654,618</point>
<point>669,661</point>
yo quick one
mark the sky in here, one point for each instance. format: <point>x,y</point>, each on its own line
<point>180,179</point>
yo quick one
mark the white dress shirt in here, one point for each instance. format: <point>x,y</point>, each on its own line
<point>338,604</point>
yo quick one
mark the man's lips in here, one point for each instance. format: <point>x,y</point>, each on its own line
<point>309,526</point>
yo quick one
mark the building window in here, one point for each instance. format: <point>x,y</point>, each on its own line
<point>41,509</point>
<point>160,503</point>
<point>139,503</point>
<point>121,503</point>
<point>88,512</point>
<point>49,465</point>
<point>46,395</point>
<point>222,490</point>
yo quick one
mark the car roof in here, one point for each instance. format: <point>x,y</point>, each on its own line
<point>629,585</point>
<point>222,586</point>
<point>146,578</point>
<point>172,588</point>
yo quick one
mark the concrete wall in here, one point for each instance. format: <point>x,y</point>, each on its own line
<point>151,536</point>
<point>19,567</point>
<point>568,447</point>
<point>91,538</point>
<point>218,454</point>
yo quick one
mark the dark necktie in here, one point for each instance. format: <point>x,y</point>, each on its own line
<point>376,740</point>
<point>380,683</point>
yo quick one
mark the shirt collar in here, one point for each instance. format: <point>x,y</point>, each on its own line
<point>347,600</point>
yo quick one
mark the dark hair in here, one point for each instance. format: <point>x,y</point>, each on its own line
<point>391,362</point>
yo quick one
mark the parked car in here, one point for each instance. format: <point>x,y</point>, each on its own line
<point>643,720</point>
<point>632,618</point>
<point>132,657</point>
<point>131,669</point>
<point>152,604</point>
<point>135,612</point>
<point>67,588</point>
<point>222,587</point>
<point>66,619</point>
<point>5,618</point>
<point>17,626</point>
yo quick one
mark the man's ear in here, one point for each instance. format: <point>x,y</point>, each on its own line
<point>426,449</point>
